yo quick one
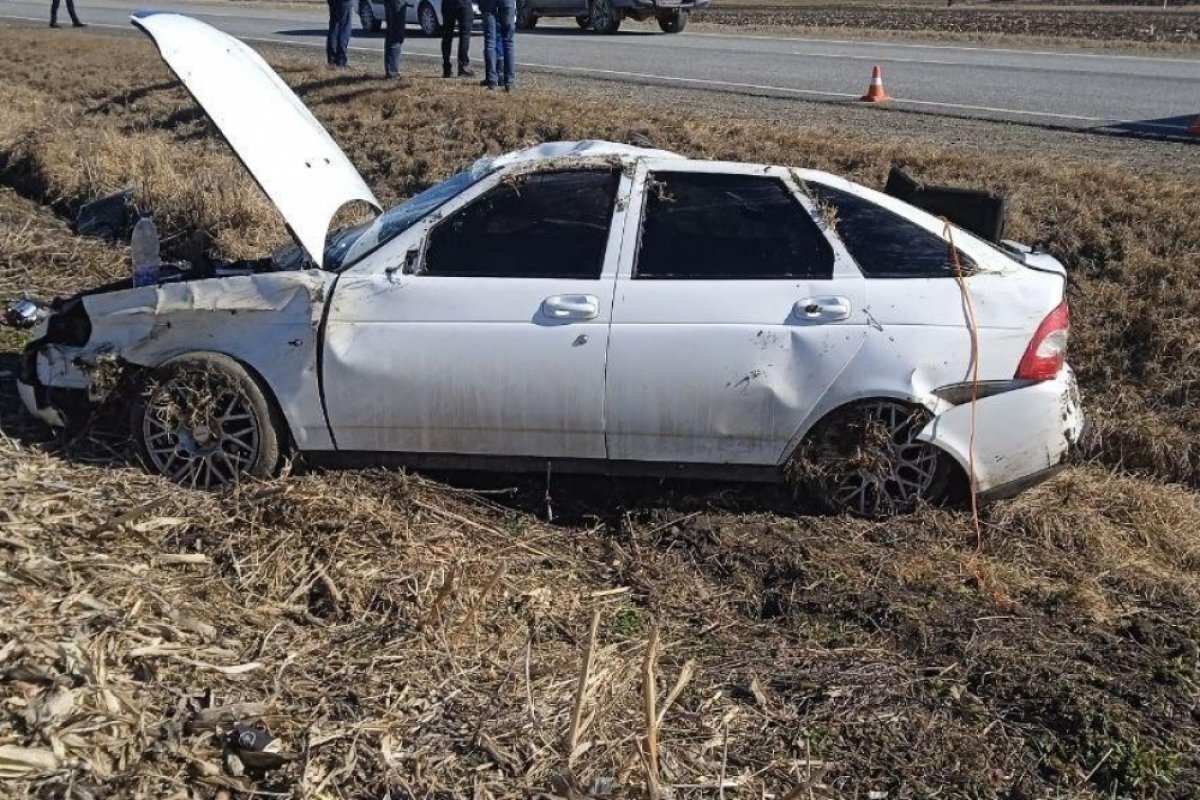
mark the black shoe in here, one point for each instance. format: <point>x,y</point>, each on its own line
<point>508,87</point>
<point>53,24</point>
<point>78,24</point>
<point>485,82</point>
<point>466,72</point>
<point>447,72</point>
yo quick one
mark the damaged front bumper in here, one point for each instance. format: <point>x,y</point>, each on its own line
<point>57,406</point>
<point>1014,439</point>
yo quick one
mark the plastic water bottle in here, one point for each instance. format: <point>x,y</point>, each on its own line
<point>145,252</point>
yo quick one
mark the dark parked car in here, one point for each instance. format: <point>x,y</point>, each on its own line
<point>604,16</point>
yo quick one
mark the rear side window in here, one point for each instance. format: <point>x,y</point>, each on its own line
<point>543,225</point>
<point>885,244</point>
<point>728,227</point>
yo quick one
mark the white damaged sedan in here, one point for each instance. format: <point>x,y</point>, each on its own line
<point>586,305</point>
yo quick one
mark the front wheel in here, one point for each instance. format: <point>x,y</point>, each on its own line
<point>605,18</point>
<point>204,422</point>
<point>427,20</point>
<point>673,21</point>
<point>526,20</point>
<point>866,459</point>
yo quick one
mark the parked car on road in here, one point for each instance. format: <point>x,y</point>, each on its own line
<point>425,14</point>
<point>590,305</point>
<point>605,16</point>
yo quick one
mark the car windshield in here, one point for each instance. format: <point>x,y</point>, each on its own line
<point>348,245</point>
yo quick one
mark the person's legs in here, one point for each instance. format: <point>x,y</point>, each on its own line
<point>500,59</point>
<point>74,17</point>
<point>393,44</point>
<point>330,35</point>
<point>507,14</point>
<point>53,13</point>
<point>466,16</point>
<point>490,43</point>
<point>345,24</point>
<point>449,18</point>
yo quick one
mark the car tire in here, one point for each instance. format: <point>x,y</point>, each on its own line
<point>427,20</point>
<point>367,17</point>
<point>583,21</point>
<point>201,420</point>
<point>865,459</point>
<point>673,21</point>
<point>526,20</point>
<point>605,17</point>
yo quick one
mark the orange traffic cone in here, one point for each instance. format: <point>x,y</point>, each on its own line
<point>875,92</point>
<point>1195,129</point>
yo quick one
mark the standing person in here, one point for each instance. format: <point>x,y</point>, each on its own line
<point>393,43</point>
<point>457,14</point>
<point>70,10</point>
<point>337,41</point>
<point>499,58</point>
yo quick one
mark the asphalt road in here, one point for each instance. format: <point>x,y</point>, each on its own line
<point>1148,95</point>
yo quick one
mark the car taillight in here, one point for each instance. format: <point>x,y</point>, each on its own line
<point>1047,352</point>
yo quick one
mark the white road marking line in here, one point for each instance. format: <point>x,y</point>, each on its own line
<point>714,83</point>
<point>965,48</point>
<point>893,59</point>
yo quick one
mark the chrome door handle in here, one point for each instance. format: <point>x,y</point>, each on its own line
<point>827,308</point>
<point>571,306</point>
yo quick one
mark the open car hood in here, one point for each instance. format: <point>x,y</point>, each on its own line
<point>286,149</point>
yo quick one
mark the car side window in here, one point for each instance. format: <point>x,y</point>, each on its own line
<point>718,226</point>
<point>540,225</point>
<point>883,243</point>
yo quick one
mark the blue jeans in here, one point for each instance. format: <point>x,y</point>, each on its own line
<point>393,42</point>
<point>499,20</point>
<point>337,41</point>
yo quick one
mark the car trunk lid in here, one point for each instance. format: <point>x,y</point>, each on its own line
<point>289,153</point>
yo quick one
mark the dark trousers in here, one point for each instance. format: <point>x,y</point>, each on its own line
<point>393,42</point>
<point>70,10</point>
<point>457,14</point>
<point>337,41</point>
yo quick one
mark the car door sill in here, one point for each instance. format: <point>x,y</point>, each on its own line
<point>489,463</point>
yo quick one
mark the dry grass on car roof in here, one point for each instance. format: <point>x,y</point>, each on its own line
<point>408,635</point>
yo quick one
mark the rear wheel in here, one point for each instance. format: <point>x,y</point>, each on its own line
<point>673,21</point>
<point>605,17</point>
<point>427,19</point>
<point>583,21</point>
<point>526,20</point>
<point>204,422</point>
<point>866,459</point>
<point>366,16</point>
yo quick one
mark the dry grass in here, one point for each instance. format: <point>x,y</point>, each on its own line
<point>406,637</point>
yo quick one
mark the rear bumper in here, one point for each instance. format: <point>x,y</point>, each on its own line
<point>1021,437</point>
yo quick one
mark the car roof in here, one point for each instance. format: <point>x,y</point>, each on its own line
<point>556,151</point>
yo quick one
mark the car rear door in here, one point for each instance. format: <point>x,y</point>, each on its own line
<point>483,331</point>
<point>733,316</point>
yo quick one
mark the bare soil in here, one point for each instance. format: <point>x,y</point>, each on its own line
<point>418,635</point>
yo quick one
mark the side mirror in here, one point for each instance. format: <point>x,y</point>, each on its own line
<point>411,261</point>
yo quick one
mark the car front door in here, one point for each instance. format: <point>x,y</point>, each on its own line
<point>734,315</point>
<point>483,331</point>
